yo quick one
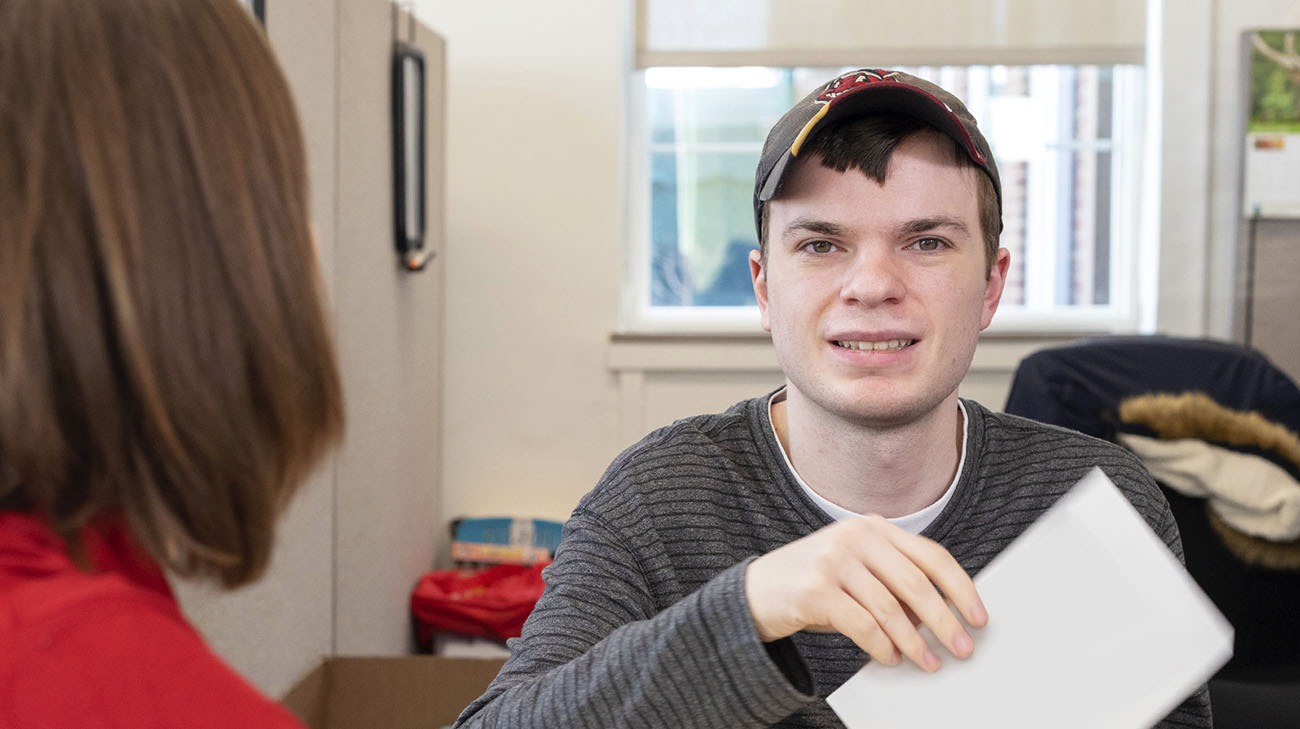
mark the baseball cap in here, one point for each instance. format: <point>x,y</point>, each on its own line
<point>857,93</point>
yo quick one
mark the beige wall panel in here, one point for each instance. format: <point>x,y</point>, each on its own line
<point>303,33</point>
<point>534,244</point>
<point>273,631</point>
<point>1184,166</point>
<point>389,324</point>
<point>673,395</point>
<point>987,387</point>
<point>1277,294</point>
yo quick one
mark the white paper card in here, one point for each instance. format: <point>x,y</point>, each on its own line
<point>1271,188</point>
<point>1093,623</point>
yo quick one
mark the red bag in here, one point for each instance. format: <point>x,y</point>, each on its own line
<point>492,604</point>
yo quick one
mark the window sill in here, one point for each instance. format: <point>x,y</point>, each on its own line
<point>712,352</point>
<point>752,352</point>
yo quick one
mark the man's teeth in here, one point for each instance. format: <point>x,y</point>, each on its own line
<point>887,345</point>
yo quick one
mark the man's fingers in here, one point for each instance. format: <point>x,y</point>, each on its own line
<point>870,581</point>
<point>914,570</point>
<point>892,616</point>
<point>943,570</point>
<point>912,616</point>
<point>846,616</point>
<point>900,584</point>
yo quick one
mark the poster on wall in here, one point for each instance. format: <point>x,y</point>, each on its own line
<point>1272,156</point>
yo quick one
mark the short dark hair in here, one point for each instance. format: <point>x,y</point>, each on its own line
<point>164,354</point>
<point>867,144</point>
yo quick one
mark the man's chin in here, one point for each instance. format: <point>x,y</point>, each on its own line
<point>876,408</point>
<point>883,417</point>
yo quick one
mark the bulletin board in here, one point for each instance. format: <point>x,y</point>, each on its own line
<point>1271,186</point>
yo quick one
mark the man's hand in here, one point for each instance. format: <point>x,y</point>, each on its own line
<point>871,581</point>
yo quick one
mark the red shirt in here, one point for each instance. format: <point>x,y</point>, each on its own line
<point>109,648</point>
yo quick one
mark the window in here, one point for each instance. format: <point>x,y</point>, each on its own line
<point>1067,142</point>
<point>1057,86</point>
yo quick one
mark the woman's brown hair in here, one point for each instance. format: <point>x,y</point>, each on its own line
<point>164,355</point>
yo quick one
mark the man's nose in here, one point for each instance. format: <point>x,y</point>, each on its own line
<point>873,277</point>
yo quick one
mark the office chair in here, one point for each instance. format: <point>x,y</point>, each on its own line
<point>1089,386</point>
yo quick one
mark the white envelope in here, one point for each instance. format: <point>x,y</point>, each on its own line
<point>1093,623</point>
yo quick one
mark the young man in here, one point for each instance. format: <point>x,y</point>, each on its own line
<point>731,570</point>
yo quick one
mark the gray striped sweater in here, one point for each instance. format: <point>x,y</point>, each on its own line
<point>644,621</point>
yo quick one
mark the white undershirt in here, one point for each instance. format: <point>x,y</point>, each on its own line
<point>916,522</point>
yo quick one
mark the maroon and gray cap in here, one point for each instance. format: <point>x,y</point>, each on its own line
<point>858,93</point>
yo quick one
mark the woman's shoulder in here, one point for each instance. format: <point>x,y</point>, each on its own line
<point>120,657</point>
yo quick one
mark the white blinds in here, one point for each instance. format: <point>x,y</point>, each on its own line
<point>888,32</point>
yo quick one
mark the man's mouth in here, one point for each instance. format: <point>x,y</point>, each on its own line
<point>888,345</point>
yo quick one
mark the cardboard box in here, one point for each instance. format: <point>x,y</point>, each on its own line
<point>390,692</point>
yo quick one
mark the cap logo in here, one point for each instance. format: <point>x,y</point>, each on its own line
<point>837,89</point>
<point>851,82</point>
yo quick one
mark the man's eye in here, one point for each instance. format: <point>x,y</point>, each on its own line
<point>821,246</point>
<point>929,244</point>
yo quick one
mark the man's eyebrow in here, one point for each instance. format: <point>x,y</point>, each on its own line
<point>813,225</point>
<point>925,225</point>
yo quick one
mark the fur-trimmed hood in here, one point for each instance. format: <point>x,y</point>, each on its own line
<point>1243,464</point>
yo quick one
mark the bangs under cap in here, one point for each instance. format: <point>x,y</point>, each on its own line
<point>858,93</point>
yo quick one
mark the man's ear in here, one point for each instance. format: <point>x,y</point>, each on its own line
<point>993,287</point>
<point>758,276</point>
